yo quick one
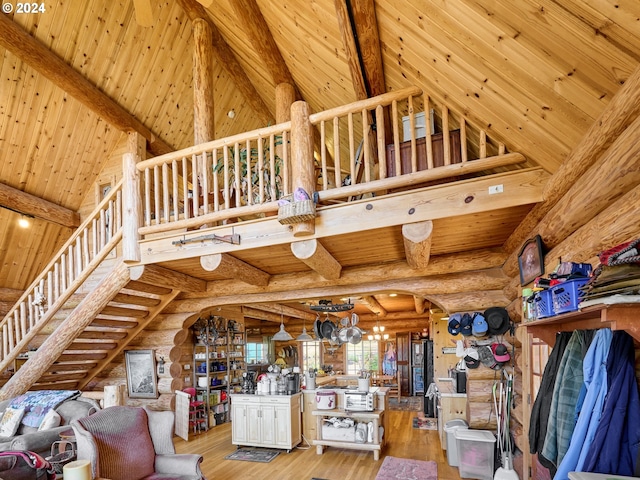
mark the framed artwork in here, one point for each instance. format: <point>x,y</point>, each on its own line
<point>531,260</point>
<point>141,373</point>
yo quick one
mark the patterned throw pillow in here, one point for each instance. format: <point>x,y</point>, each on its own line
<point>11,421</point>
<point>51,420</point>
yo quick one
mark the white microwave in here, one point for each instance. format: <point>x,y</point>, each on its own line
<point>358,401</point>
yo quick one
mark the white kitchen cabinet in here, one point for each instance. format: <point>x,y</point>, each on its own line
<point>272,421</point>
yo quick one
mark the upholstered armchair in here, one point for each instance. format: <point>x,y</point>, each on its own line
<point>132,443</point>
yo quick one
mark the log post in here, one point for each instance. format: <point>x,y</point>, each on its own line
<point>285,96</point>
<point>114,395</point>
<point>302,168</point>
<point>131,201</point>
<point>203,108</point>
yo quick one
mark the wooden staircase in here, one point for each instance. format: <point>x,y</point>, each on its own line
<point>77,339</point>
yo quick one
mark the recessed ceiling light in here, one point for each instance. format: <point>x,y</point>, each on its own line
<point>393,294</point>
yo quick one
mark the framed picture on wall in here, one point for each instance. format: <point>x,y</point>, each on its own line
<point>531,260</point>
<point>141,373</point>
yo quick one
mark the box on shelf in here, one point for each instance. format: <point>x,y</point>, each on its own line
<point>478,447</point>
<point>340,434</point>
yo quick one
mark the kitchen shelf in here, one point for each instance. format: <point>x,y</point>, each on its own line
<point>376,417</point>
<point>621,316</point>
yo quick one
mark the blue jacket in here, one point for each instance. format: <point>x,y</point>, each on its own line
<point>615,447</point>
<point>595,378</point>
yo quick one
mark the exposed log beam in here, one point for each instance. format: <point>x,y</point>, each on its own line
<point>156,275</point>
<point>420,304</point>
<point>417,243</point>
<point>24,203</point>
<point>285,309</point>
<point>10,294</point>
<point>478,300</point>
<point>313,253</point>
<point>292,287</point>
<point>229,266</point>
<point>228,61</point>
<point>373,305</point>
<point>251,20</point>
<point>258,314</point>
<point>362,46</point>
<point>490,260</point>
<point>372,317</point>
<point>39,57</point>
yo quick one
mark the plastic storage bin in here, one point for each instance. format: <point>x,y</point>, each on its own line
<point>543,303</point>
<point>452,449</point>
<point>566,295</point>
<point>476,449</point>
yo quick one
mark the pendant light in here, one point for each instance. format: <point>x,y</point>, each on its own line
<point>304,336</point>
<point>282,335</point>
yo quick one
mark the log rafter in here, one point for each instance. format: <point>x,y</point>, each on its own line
<point>24,203</point>
<point>229,266</point>
<point>39,57</point>
<point>417,243</point>
<point>316,257</point>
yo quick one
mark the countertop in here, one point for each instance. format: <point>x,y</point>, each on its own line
<point>341,390</point>
<point>445,387</point>
<point>263,395</point>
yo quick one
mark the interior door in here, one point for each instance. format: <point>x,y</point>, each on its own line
<point>403,340</point>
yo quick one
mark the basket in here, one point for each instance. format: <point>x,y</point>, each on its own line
<point>566,295</point>
<point>296,212</point>
<point>59,460</point>
<point>543,304</point>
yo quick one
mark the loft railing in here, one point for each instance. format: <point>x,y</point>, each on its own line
<point>243,176</point>
<point>98,235</point>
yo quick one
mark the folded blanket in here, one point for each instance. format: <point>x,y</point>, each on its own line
<point>39,402</point>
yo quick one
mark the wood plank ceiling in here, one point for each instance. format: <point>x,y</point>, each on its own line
<point>534,74</point>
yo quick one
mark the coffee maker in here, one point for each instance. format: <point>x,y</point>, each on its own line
<point>293,383</point>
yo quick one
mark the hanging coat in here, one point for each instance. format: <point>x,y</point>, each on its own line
<point>563,404</point>
<point>595,379</point>
<point>615,447</point>
<point>542,404</point>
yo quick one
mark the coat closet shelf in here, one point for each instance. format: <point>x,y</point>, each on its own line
<point>623,316</point>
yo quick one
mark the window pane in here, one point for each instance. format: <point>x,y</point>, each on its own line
<point>310,355</point>
<point>363,356</point>
<point>255,352</point>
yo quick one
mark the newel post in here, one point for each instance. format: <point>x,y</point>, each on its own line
<point>131,200</point>
<point>302,168</point>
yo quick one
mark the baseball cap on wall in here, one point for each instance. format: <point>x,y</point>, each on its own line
<point>487,358</point>
<point>466,325</point>
<point>471,358</point>
<point>454,324</point>
<point>479,327</point>
<point>500,352</point>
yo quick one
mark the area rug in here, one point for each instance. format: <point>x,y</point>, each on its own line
<point>253,455</point>
<point>394,468</point>
<point>413,404</point>
<point>425,423</point>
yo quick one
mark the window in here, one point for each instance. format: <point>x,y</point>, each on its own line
<point>255,352</point>
<point>310,355</point>
<point>363,356</point>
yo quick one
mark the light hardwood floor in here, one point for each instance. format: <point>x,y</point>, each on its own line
<point>334,464</point>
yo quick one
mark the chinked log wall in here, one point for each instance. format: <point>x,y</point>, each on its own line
<point>590,205</point>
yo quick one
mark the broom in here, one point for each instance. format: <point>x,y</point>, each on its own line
<point>503,414</point>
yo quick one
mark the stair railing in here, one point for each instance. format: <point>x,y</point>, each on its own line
<point>78,258</point>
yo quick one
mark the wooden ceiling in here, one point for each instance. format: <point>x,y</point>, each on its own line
<point>535,75</point>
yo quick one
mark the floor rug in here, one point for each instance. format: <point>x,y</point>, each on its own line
<point>394,468</point>
<point>425,423</point>
<point>253,455</point>
<point>413,404</point>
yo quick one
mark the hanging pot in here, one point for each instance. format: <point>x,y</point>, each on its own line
<point>316,328</point>
<point>327,328</point>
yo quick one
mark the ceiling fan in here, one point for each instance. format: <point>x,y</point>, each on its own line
<point>144,13</point>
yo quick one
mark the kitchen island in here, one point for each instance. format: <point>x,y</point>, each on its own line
<point>272,421</point>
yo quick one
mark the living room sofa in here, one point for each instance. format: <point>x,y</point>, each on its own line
<point>29,438</point>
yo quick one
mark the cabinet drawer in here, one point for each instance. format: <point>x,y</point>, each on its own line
<point>275,400</point>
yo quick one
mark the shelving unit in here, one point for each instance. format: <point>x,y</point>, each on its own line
<point>621,316</point>
<point>376,417</point>
<point>217,371</point>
